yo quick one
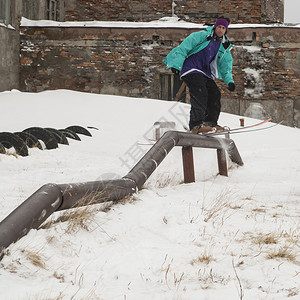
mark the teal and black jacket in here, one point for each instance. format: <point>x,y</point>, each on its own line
<point>221,66</point>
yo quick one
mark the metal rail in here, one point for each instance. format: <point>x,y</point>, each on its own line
<point>54,197</point>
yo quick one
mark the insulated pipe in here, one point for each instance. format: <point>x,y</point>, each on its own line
<point>80,194</point>
<point>29,215</point>
<point>51,197</point>
<point>149,162</point>
<point>195,140</point>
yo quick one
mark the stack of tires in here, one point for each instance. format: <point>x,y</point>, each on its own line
<point>32,137</point>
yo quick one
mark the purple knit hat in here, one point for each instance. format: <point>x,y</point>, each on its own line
<point>223,22</point>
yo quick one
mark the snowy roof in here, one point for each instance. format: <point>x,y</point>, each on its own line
<point>166,22</point>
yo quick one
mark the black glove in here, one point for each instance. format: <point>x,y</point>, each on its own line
<point>231,86</point>
<point>175,71</point>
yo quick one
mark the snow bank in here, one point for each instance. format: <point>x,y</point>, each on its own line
<point>217,238</point>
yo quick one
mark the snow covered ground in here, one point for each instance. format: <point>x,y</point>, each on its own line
<point>234,237</point>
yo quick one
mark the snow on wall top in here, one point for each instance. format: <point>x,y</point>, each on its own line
<point>166,22</point>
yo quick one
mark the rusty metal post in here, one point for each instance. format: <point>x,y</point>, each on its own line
<point>188,164</point>
<point>222,164</point>
<point>242,122</point>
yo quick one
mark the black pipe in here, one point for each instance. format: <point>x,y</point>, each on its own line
<point>52,197</point>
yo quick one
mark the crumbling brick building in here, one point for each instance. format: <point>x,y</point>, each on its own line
<point>113,57</point>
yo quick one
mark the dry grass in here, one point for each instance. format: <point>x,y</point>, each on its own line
<point>60,277</point>
<point>35,258</point>
<point>79,218</point>
<point>293,292</point>
<point>12,268</point>
<point>50,239</point>
<point>208,277</point>
<point>259,210</point>
<point>274,238</point>
<point>235,206</point>
<point>82,215</point>
<point>164,179</point>
<point>267,239</point>
<point>219,206</point>
<point>275,245</point>
<point>282,253</point>
<point>128,199</point>
<point>204,258</point>
<point>292,237</point>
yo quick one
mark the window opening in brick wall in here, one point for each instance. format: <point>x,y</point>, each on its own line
<point>25,10</point>
<point>53,10</point>
<point>170,85</point>
<point>30,9</point>
<point>5,12</point>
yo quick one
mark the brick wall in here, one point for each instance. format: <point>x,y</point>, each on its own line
<point>128,61</point>
<point>267,70</point>
<point>100,60</point>
<point>200,11</point>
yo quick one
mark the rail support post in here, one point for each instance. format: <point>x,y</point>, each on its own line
<point>188,164</point>
<point>222,164</point>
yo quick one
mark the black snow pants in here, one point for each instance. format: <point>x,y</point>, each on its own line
<point>205,99</point>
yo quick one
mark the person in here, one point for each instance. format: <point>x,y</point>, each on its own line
<point>199,59</point>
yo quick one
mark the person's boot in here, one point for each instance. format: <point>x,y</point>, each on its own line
<point>202,129</point>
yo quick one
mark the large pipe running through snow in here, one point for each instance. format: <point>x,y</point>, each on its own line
<point>53,197</point>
